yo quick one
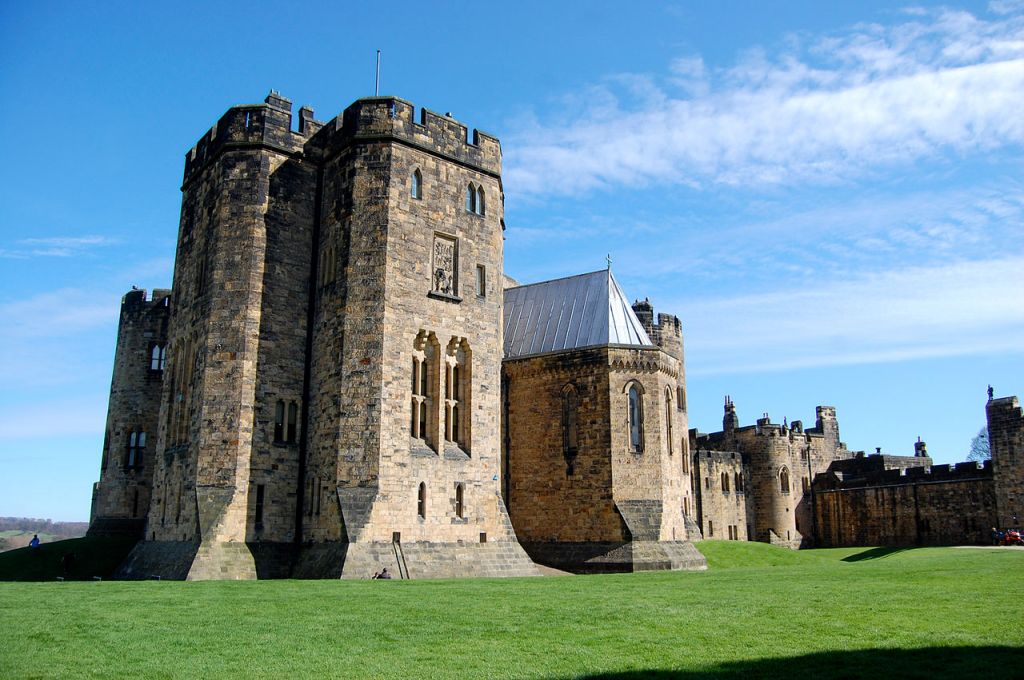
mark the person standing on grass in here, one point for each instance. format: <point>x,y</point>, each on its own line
<point>34,543</point>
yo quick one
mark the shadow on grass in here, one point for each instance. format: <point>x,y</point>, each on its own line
<point>929,662</point>
<point>874,554</point>
<point>92,557</point>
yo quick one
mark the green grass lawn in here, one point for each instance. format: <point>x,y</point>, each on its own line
<point>759,611</point>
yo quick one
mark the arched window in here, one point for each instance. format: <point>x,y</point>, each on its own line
<point>668,419</point>
<point>479,200</point>
<point>784,480</point>
<point>739,482</point>
<point>425,383</point>
<point>416,184</point>
<point>725,482</point>
<point>570,442</point>
<point>470,199</point>
<point>458,393</point>
<point>459,500</point>
<point>636,415</point>
<point>685,461</point>
<point>421,501</point>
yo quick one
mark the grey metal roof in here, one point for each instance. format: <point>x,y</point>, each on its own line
<point>586,310</point>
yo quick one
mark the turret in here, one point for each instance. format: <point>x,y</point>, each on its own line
<point>826,423</point>
<point>667,333</point>
<point>122,495</point>
<point>1006,439</point>
<point>730,421</point>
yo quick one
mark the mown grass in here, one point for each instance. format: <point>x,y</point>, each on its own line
<point>758,612</point>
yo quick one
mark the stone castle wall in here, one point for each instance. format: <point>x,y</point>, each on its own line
<point>722,507</point>
<point>1006,439</point>
<point>121,498</point>
<point>283,420</point>
<point>912,506</point>
<point>779,461</point>
<point>555,495</point>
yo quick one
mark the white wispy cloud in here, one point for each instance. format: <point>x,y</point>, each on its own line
<point>825,109</point>
<point>955,309</point>
<point>55,246</point>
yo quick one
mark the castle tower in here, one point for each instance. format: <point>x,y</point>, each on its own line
<point>333,381</point>
<point>403,470</point>
<point>228,451</point>
<point>775,481</point>
<point>121,496</point>
<point>1006,439</point>
<point>595,428</point>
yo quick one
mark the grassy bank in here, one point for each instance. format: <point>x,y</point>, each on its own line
<point>91,557</point>
<point>759,611</point>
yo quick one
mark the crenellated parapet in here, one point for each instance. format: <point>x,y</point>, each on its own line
<point>666,332</point>
<point>391,119</point>
<point>137,301</point>
<point>882,470</point>
<point>253,125</point>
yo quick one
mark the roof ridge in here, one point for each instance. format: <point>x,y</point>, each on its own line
<point>561,278</point>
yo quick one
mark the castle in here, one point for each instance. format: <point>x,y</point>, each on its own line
<point>342,378</point>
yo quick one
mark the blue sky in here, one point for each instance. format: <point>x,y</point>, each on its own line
<point>829,195</point>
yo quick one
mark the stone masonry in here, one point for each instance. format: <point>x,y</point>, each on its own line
<point>328,389</point>
<point>121,498</point>
<point>318,268</point>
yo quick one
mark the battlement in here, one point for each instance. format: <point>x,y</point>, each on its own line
<point>368,119</point>
<point>392,118</point>
<point>268,124</point>
<point>885,470</point>
<point>667,333</point>
<point>136,300</point>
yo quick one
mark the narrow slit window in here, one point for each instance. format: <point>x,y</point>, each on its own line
<point>459,500</point>
<point>416,185</point>
<point>279,421</point>
<point>421,501</point>
<point>481,281</point>
<point>293,420</point>
<point>636,435</point>
<point>260,490</point>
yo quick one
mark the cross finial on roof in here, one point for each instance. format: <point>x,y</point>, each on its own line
<point>608,259</point>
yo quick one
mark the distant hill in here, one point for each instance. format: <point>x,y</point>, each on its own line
<point>16,532</point>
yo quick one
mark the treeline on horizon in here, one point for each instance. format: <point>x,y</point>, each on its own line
<point>16,532</point>
<point>47,526</point>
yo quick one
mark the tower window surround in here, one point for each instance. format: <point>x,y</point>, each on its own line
<point>416,184</point>
<point>635,417</point>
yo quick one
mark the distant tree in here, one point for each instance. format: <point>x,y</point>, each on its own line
<point>980,450</point>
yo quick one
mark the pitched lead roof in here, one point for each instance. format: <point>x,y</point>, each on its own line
<point>586,310</point>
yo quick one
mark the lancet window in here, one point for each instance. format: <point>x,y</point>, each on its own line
<point>424,379</point>
<point>635,418</point>
<point>458,380</point>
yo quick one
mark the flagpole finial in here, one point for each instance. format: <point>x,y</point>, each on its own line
<point>608,259</point>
